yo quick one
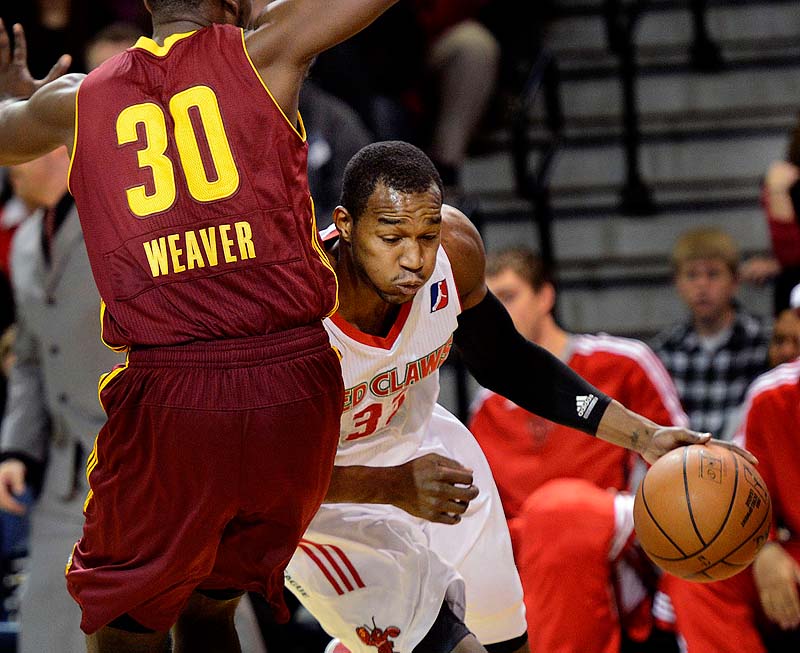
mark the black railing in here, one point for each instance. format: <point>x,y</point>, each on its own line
<point>533,185</point>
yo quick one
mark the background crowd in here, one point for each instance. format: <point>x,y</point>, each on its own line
<point>437,73</point>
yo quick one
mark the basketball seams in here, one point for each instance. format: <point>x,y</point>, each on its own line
<point>723,559</point>
<point>730,504</point>
<point>705,546</point>
<point>654,521</point>
<point>689,501</point>
<point>706,573</point>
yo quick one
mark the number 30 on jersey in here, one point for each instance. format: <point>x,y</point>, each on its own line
<point>199,106</point>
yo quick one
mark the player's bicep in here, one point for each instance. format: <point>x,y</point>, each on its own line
<point>464,247</point>
<point>34,127</point>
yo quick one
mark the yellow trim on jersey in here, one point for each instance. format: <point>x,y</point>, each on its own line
<point>337,352</point>
<point>301,133</point>
<point>322,255</point>
<point>91,463</point>
<point>74,141</point>
<point>117,348</point>
<point>106,378</point>
<point>71,557</point>
<point>146,43</point>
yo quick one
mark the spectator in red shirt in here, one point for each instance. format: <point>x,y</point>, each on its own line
<point>586,586</point>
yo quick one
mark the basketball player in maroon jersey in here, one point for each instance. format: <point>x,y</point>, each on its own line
<point>223,424</point>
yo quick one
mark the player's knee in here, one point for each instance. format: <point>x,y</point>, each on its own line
<point>446,633</point>
<point>211,605</point>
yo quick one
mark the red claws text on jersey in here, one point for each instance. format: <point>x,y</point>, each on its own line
<point>389,382</point>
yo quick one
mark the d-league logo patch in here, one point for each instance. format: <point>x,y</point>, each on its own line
<point>439,295</point>
<point>585,404</point>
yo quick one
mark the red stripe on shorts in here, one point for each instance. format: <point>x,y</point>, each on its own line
<point>321,565</point>
<point>348,564</point>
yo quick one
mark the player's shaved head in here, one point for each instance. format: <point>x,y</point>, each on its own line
<point>395,164</point>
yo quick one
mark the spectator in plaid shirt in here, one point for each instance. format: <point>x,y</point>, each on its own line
<point>714,354</point>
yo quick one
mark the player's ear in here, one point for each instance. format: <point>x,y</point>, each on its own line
<point>344,223</point>
<point>548,297</point>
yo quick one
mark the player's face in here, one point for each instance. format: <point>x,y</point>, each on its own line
<point>707,286</point>
<point>526,306</point>
<point>784,345</point>
<point>395,241</point>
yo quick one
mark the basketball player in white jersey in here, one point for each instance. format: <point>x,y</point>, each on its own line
<point>411,553</point>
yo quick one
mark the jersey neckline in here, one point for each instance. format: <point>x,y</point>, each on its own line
<point>375,341</point>
<point>148,44</point>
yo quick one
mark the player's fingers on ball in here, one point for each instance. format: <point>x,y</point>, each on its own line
<point>744,453</point>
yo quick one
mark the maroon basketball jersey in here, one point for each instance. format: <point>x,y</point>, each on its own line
<point>192,190</point>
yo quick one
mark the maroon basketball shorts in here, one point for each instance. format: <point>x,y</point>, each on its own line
<point>213,461</point>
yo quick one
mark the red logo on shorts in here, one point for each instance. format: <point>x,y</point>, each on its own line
<point>377,637</point>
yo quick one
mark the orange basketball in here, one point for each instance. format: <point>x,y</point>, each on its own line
<point>702,512</point>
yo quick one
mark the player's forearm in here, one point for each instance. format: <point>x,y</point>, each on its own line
<point>625,428</point>
<point>360,484</point>
<point>530,376</point>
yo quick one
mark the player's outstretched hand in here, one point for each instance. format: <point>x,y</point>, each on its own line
<point>16,80</point>
<point>435,488</point>
<point>777,577</point>
<point>12,482</point>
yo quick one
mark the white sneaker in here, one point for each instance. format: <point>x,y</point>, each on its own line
<point>335,646</point>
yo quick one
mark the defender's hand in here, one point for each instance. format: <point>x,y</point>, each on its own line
<point>12,482</point>
<point>16,80</point>
<point>777,577</point>
<point>434,488</point>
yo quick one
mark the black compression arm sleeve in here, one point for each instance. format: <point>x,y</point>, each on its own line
<point>530,376</point>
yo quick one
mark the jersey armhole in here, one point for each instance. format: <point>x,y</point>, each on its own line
<point>74,142</point>
<point>301,132</point>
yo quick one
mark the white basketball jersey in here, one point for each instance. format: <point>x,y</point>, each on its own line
<point>392,383</point>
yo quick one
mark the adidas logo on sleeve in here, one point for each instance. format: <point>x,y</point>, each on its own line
<point>585,404</point>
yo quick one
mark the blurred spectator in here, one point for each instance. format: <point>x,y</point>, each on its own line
<point>335,133</point>
<point>758,610</point>
<point>716,352</point>
<point>109,42</point>
<point>57,27</point>
<point>587,586</point>
<point>424,72</point>
<point>780,192</point>
<point>52,415</point>
<point>784,345</point>
<point>463,58</point>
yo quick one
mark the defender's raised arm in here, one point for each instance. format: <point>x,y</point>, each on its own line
<point>36,116</point>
